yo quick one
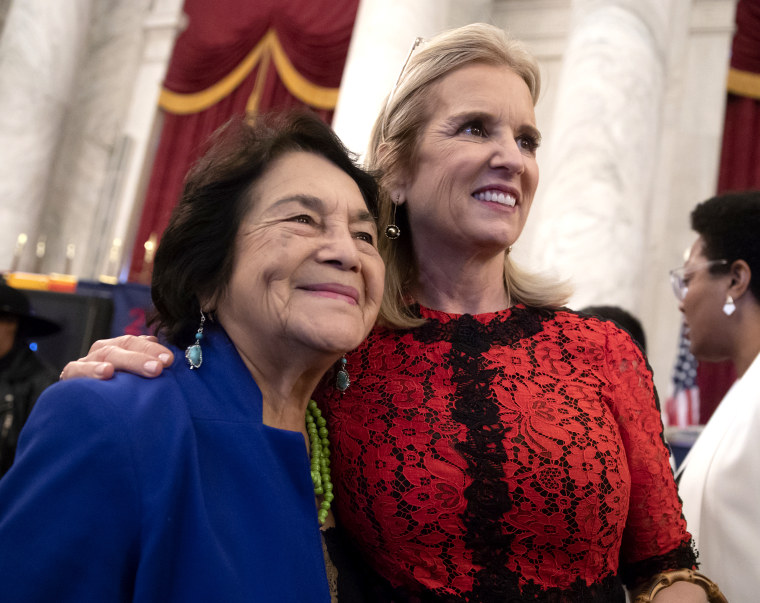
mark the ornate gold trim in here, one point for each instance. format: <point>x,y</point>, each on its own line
<point>268,49</point>
<point>743,83</point>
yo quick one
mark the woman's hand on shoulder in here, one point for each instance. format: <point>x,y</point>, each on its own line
<point>141,355</point>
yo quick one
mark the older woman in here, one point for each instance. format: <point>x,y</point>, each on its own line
<point>197,486</point>
<point>491,447</point>
<point>719,294</point>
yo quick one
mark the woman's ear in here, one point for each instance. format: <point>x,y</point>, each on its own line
<point>382,151</point>
<point>396,186</point>
<point>398,195</point>
<point>741,274</point>
<point>208,303</point>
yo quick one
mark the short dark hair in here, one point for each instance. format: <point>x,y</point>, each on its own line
<point>195,257</point>
<point>729,225</point>
<point>623,319</point>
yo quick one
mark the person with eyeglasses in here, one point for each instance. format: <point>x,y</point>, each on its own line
<point>718,291</point>
<point>492,445</point>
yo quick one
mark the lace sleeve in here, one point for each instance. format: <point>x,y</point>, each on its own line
<point>655,537</point>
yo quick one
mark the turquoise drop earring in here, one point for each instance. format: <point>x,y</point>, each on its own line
<point>194,353</point>
<point>342,380</point>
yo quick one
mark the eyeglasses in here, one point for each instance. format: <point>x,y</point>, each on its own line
<point>678,276</point>
<point>415,44</point>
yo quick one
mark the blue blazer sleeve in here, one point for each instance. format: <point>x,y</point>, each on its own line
<point>55,540</point>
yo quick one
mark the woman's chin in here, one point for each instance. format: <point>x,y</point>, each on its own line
<point>329,334</point>
<point>334,344</point>
<point>707,353</point>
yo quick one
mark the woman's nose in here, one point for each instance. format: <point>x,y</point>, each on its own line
<point>507,154</point>
<point>339,248</point>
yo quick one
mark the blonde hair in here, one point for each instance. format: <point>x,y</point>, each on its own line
<point>393,151</point>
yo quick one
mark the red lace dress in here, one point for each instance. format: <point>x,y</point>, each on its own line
<point>512,456</point>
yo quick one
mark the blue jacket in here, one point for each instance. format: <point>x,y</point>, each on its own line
<point>167,489</point>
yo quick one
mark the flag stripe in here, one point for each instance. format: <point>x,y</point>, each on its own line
<point>682,406</point>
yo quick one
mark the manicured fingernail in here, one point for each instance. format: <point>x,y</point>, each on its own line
<point>151,366</point>
<point>164,358</point>
<point>100,370</point>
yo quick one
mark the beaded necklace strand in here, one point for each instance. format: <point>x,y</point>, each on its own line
<point>316,428</point>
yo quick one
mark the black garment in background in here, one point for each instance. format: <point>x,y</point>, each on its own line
<point>23,376</point>
<point>357,582</point>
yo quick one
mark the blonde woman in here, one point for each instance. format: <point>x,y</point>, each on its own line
<point>492,446</point>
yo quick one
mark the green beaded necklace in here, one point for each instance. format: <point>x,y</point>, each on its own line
<point>316,427</point>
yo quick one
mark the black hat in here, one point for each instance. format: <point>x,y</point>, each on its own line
<point>15,303</point>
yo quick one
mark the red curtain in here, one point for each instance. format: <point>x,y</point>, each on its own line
<point>739,160</point>
<point>238,56</point>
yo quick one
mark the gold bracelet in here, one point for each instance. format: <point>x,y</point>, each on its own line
<point>665,579</point>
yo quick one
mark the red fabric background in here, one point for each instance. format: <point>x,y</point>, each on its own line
<point>739,170</point>
<point>315,35</point>
<point>745,49</point>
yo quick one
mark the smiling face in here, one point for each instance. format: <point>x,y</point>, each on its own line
<point>476,173</point>
<point>702,307</point>
<point>307,274</point>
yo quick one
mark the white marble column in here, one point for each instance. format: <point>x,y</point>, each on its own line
<point>103,160</point>
<point>599,179</point>
<point>383,33</point>
<point>142,126</point>
<point>40,51</point>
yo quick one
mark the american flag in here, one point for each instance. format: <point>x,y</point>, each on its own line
<point>682,406</point>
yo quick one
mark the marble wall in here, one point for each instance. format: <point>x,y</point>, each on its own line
<point>4,6</point>
<point>41,51</point>
<point>631,111</point>
<point>70,73</point>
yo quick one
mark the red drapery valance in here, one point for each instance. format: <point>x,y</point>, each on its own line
<point>237,56</point>
<point>739,160</point>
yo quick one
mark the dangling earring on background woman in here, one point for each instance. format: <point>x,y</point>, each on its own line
<point>729,307</point>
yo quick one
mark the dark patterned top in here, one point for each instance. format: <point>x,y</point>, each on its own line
<point>511,456</point>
